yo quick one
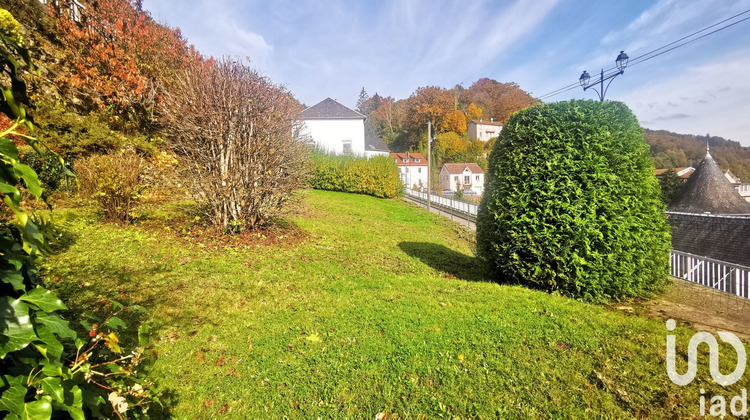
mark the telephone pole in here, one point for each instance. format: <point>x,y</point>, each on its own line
<point>429,166</point>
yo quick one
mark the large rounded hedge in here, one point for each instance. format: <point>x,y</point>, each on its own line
<point>571,203</point>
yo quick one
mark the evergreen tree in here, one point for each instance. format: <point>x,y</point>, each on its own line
<point>362,102</point>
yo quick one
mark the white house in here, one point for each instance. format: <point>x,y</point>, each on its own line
<point>468,176</point>
<point>412,168</point>
<point>484,130</point>
<point>334,128</point>
<point>375,147</point>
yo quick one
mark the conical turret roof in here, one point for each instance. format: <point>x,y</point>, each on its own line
<point>709,191</point>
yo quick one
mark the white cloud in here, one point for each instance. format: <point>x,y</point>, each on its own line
<point>705,98</point>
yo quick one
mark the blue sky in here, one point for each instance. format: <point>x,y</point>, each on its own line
<point>335,47</point>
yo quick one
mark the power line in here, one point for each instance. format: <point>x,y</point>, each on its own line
<point>688,36</point>
<point>692,40</point>
<point>651,54</point>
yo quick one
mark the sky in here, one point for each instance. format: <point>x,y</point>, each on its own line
<point>334,48</point>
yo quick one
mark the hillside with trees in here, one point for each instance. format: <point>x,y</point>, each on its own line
<point>672,150</point>
<point>402,123</point>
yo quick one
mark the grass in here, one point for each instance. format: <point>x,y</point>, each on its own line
<point>372,306</point>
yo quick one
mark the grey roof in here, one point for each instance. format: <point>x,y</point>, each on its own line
<point>709,191</point>
<point>374,144</point>
<point>328,108</point>
<point>722,238</point>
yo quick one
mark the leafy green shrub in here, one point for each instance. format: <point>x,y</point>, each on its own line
<point>572,205</point>
<point>73,135</point>
<point>113,181</point>
<point>52,172</point>
<point>377,176</point>
<point>46,369</point>
<point>670,184</point>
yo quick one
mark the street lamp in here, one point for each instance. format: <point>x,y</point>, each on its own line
<point>621,62</point>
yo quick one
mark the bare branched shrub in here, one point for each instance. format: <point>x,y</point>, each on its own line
<point>234,130</point>
<point>113,181</point>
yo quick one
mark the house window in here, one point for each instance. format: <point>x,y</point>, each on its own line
<point>477,178</point>
<point>467,179</point>
<point>417,160</point>
<point>455,178</point>
<point>419,170</point>
<point>347,147</point>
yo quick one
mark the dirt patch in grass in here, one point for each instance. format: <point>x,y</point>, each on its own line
<point>281,235</point>
<point>700,307</point>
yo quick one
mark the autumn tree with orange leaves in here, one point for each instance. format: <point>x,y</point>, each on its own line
<point>473,112</point>
<point>119,58</point>
<point>454,121</point>
<point>498,100</point>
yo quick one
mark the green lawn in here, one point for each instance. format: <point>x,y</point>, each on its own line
<point>373,306</point>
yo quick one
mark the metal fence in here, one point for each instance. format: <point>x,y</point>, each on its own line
<point>461,206</point>
<point>719,275</point>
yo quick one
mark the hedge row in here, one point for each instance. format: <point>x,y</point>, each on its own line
<point>377,176</point>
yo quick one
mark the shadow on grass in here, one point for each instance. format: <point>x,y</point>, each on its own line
<point>446,260</point>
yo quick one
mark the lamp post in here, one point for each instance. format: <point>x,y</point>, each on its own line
<point>429,165</point>
<point>621,62</point>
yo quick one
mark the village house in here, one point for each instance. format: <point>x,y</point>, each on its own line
<point>412,169</point>
<point>484,130</point>
<point>467,176</point>
<point>334,128</point>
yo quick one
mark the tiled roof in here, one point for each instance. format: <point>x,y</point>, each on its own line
<point>328,108</point>
<point>458,168</point>
<point>709,191</point>
<point>412,157</point>
<point>719,237</point>
<point>374,144</point>
<point>487,123</point>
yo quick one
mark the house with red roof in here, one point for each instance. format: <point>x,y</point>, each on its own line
<point>412,169</point>
<point>469,177</point>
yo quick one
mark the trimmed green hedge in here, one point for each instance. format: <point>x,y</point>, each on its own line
<point>377,176</point>
<point>572,205</point>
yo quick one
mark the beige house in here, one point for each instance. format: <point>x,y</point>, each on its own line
<point>467,176</point>
<point>484,130</point>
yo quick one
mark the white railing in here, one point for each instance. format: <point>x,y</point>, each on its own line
<point>461,206</point>
<point>719,275</point>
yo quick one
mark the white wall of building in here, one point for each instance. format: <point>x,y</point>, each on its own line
<point>449,181</point>
<point>332,134</point>
<point>483,132</point>
<point>413,175</point>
